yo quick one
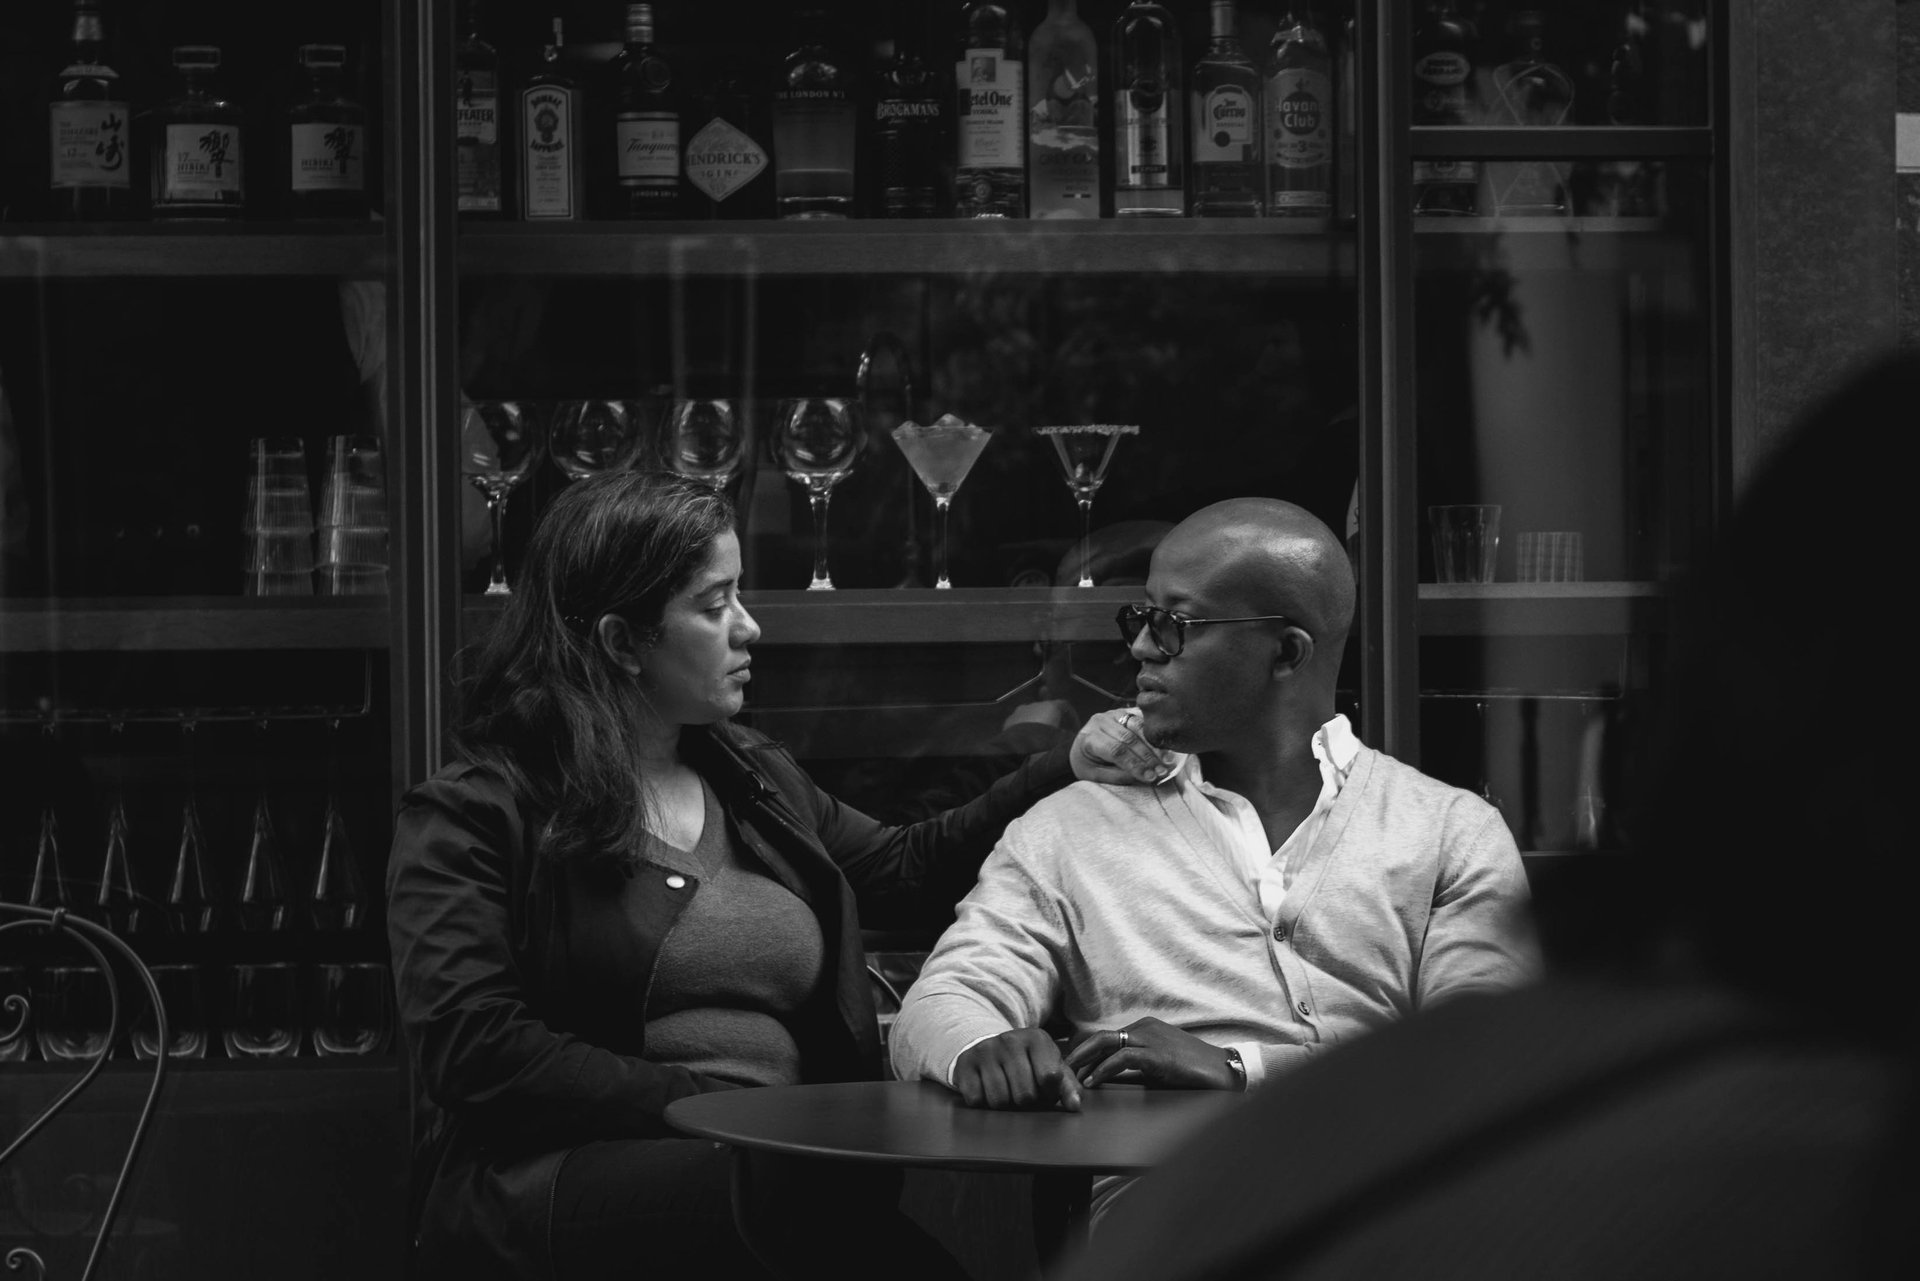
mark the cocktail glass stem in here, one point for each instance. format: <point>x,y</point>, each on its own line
<point>941,505</point>
<point>910,549</point>
<point>1086,540</point>
<point>496,511</point>
<point>817,501</point>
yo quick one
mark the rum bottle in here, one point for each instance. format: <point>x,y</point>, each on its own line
<point>1229,174</point>
<point>909,134</point>
<point>1149,134</point>
<point>1063,125</point>
<point>813,127</point>
<point>1530,90</point>
<point>1299,118</point>
<point>990,99</point>
<point>327,141</point>
<point>199,144</point>
<point>646,125</point>
<point>477,122</point>
<point>88,127</point>
<point>1443,94</point>
<point>728,161</point>
<point>552,177</point>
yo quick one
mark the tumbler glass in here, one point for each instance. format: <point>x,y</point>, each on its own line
<point>352,1011</point>
<point>1466,539</point>
<point>263,1015</point>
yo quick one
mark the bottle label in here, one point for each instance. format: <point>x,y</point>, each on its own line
<point>721,159</point>
<point>1440,87</point>
<point>89,143</point>
<point>328,157</point>
<point>992,101</point>
<point>200,163</point>
<point>1299,124</point>
<point>546,118</point>
<point>1146,156</point>
<point>476,109</point>
<point>1224,127</point>
<point>647,148</point>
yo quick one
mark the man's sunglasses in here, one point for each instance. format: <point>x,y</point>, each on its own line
<point>1168,630</point>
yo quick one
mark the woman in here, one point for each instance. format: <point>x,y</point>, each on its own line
<point>616,899</point>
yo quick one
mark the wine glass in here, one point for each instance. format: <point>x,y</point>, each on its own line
<point>818,441</point>
<point>705,440</point>
<point>588,437</point>
<point>942,453</point>
<point>1084,450</point>
<point>499,440</point>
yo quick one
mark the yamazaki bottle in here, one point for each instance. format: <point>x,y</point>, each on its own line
<point>89,127</point>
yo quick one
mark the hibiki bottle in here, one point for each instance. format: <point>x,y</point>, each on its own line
<point>326,142</point>
<point>990,98</point>
<point>199,145</point>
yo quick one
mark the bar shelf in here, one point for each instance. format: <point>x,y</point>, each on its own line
<point>157,623</point>
<point>1543,609</point>
<point>99,251</point>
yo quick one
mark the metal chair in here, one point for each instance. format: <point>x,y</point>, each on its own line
<point>98,942</point>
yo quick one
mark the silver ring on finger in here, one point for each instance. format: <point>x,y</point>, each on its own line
<point>1123,1038</point>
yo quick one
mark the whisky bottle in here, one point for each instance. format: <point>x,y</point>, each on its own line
<point>1063,125</point>
<point>909,133</point>
<point>478,123</point>
<point>327,141</point>
<point>552,179</point>
<point>728,164</point>
<point>1443,94</point>
<point>88,133</point>
<point>1149,134</point>
<point>646,125</point>
<point>1229,170</point>
<point>1530,90</point>
<point>989,76</point>
<point>813,127</point>
<point>199,145</point>
<point>1299,118</point>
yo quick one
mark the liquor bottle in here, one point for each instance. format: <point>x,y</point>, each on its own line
<point>1530,90</point>
<point>990,98</point>
<point>646,125</point>
<point>552,178</point>
<point>263,883</point>
<point>88,134</point>
<point>728,159</point>
<point>1443,94</point>
<point>1063,125</point>
<point>1149,134</point>
<point>327,141</point>
<point>199,145</point>
<point>1299,118</point>
<point>116,901</point>
<point>814,121</point>
<point>1229,169</point>
<point>909,133</point>
<point>479,141</point>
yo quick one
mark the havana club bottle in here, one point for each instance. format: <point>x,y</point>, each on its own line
<point>1299,118</point>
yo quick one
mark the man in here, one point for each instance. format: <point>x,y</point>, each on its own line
<point>1283,889</point>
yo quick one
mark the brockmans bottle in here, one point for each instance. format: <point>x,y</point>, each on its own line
<point>909,134</point>
<point>327,142</point>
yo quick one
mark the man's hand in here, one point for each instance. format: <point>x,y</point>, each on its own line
<point>1109,749</point>
<point>1159,1052</point>
<point>1017,1069</point>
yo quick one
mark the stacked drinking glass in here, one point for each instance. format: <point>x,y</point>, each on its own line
<point>353,519</point>
<point>279,519</point>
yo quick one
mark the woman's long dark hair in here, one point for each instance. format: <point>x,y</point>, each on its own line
<point>545,704</point>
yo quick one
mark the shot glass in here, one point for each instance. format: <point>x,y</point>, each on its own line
<point>263,1012</point>
<point>72,1012</point>
<point>1466,541</point>
<point>1549,556</point>
<point>183,989</point>
<point>352,1010</point>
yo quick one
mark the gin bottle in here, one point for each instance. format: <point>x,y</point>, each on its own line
<point>1443,94</point>
<point>327,141</point>
<point>813,127</point>
<point>990,98</point>
<point>1063,127</point>
<point>1149,133</point>
<point>1299,118</point>
<point>88,127</point>
<point>910,121</point>
<point>552,170</point>
<point>478,140</point>
<point>1228,169</point>
<point>1530,90</point>
<point>728,160</point>
<point>199,145</point>
<point>646,125</point>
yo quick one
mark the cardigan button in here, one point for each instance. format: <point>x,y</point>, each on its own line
<point>1279,933</point>
<point>676,882</point>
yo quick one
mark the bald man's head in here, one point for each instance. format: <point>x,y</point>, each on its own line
<point>1265,556</point>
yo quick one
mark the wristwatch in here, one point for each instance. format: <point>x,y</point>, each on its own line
<point>1238,1067</point>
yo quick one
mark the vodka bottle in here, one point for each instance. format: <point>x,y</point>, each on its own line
<point>910,124</point>
<point>1443,94</point>
<point>88,126</point>
<point>1149,133</point>
<point>1299,118</point>
<point>479,139</point>
<point>199,145</point>
<point>990,100</point>
<point>1530,90</point>
<point>1228,170</point>
<point>552,172</point>
<point>729,157</point>
<point>813,128</point>
<point>326,141</point>
<point>646,126</point>
<point>1063,126</point>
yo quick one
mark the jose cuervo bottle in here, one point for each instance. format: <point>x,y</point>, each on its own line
<point>990,99</point>
<point>88,126</point>
<point>1229,177</point>
<point>1063,125</point>
<point>552,180</point>
<point>1149,134</point>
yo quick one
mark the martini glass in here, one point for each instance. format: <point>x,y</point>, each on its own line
<point>1084,450</point>
<point>942,454</point>
<point>705,440</point>
<point>818,441</point>
<point>499,440</point>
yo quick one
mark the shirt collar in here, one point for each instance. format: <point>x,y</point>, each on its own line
<point>1335,746</point>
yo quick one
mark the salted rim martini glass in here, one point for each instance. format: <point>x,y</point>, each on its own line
<point>1084,450</point>
<point>942,453</point>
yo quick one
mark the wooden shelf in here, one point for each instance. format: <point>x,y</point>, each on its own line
<point>191,623</point>
<point>1541,609</point>
<point>918,247</point>
<point>1552,244</point>
<point>124,249</point>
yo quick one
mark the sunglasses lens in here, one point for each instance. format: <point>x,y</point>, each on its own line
<point>1166,632</point>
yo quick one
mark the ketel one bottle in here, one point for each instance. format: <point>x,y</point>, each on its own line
<point>1149,127</point>
<point>646,125</point>
<point>990,129</point>
<point>728,168</point>
<point>1443,48</point>
<point>199,145</point>
<point>89,127</point>
<point>552,178</point>
<point>327,142</point>
<point>1299,119</point>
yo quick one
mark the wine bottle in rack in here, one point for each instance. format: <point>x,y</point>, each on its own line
<point>89,126</point>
